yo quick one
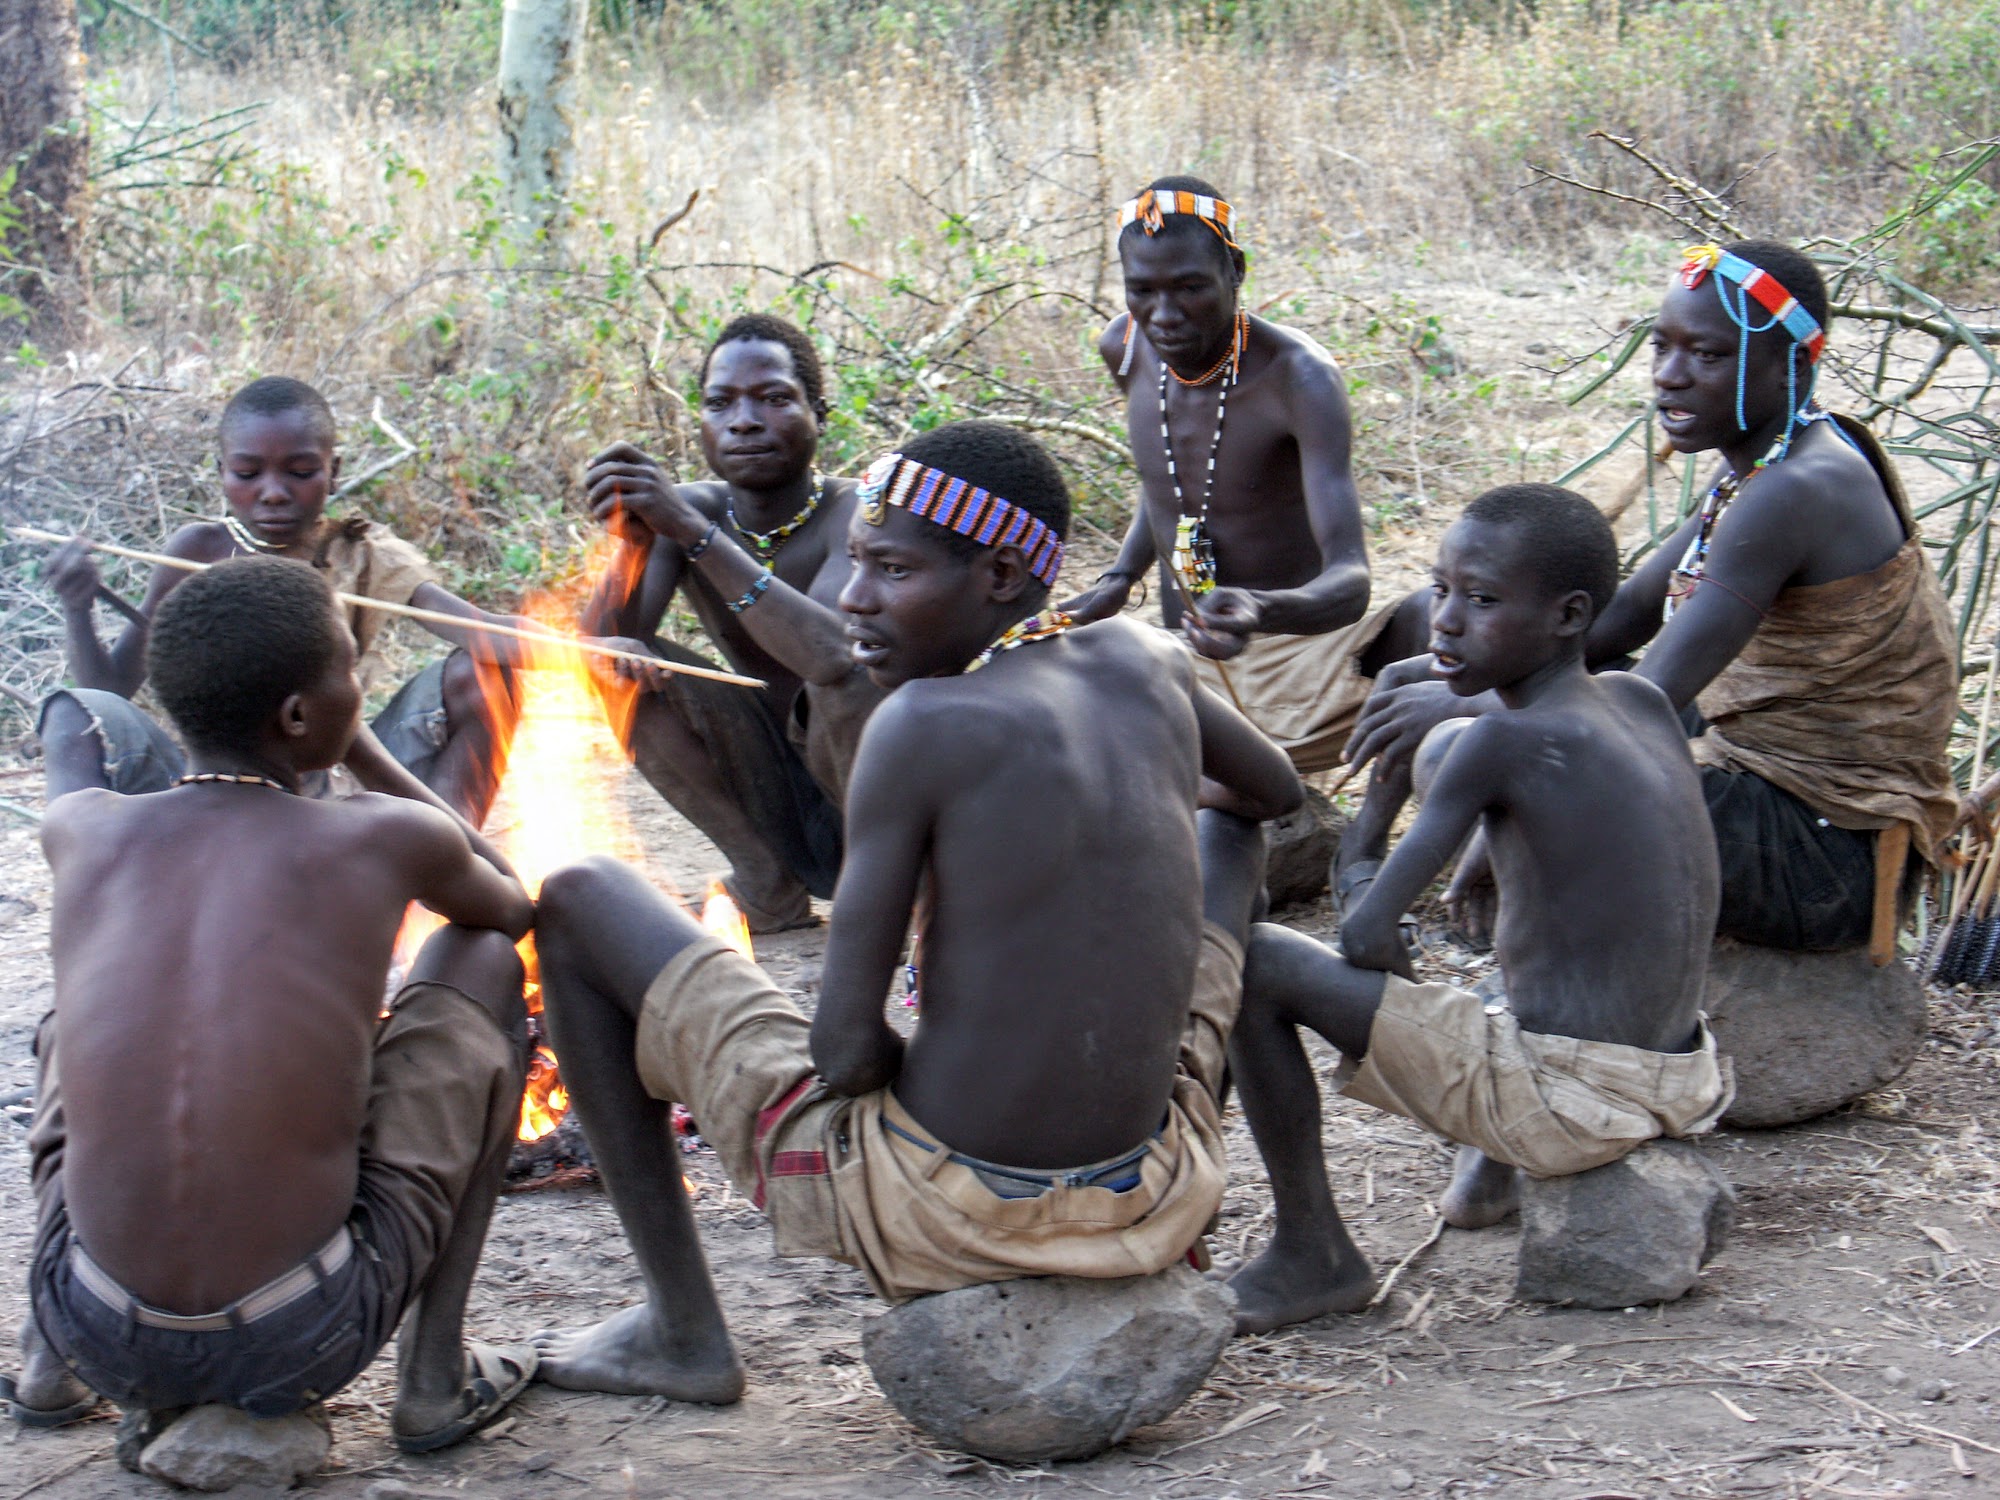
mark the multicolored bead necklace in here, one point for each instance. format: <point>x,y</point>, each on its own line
<point>231,779</point>
<point>766,543</point>
<point>1694,562</point>
<point>1194,552</point>
<point>1037,627</point>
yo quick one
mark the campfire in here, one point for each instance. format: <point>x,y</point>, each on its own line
<point>557,804</point>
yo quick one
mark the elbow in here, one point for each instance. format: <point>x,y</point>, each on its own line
<point>850,1069</point>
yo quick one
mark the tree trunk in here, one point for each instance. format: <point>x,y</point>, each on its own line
<point>45,143</point>
<point>541,52</point>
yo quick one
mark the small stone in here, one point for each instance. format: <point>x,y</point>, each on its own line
<point>1809,1031</point>
<point>1933,1390</point>
<point>1298,851</point>
<point>216,1448</point>
<point>537,1461</point>
<point>1635,1232</point>
<point>1402,1479</point>
<point>1895,1378</point>
<point>1051,1368</point>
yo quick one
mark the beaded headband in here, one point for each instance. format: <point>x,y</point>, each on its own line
<point>958,506</point>
<point>1150,208</point>
<point>1759,283</point>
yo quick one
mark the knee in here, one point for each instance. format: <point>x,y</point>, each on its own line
<point>571,892</point>
<point>474,693</point>
<point>66,726</point>
<point>1431,753</point>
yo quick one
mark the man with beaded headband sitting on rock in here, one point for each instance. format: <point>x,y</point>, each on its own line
<point>1793,621</point>
<point>1240,431</point>
<point>1027,794</point>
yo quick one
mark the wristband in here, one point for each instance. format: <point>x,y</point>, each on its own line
<point>752,594</point>
<point>707,538</point>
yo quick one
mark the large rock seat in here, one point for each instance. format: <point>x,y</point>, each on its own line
<point>1625,1235</point>
<point>1809,1031</point>
<point>1051,1368</point>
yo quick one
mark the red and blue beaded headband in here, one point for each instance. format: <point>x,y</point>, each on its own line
<point>1759,283</point>
<point>958,506</point>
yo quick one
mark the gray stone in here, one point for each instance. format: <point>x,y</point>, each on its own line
<point>1809,1031</point>
<point>1052,1368</point>
<point>1299,851</point>
<point>1637,1231</point>
<point>217,1448</point>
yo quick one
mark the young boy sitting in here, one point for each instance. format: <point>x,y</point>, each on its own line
<point>1607,873</point>
<point>448,727</point>
<point>244,1176</point>
<point>1028,792</point>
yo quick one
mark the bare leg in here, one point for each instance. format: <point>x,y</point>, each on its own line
<point>72,753</point>
<point>677,762</point>
<point>603,935</point>
<point>1482,1192</point>
<point>482,706</point>
<point>430,1355</point>
<point>1311,1267</point>
<point>1232,869</point>
<point>45,1383</point>
<point>1366,838</point>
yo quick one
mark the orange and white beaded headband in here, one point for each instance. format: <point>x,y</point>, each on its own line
<point>958,506</point>
<point>1150,208</point>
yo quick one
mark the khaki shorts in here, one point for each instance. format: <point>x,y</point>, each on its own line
<point>1550,1105</point>
<point>858,1180</point>
<point>1305,691</point>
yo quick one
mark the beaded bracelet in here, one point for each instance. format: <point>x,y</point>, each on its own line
<point>707,537</point>
<point>752,594</point>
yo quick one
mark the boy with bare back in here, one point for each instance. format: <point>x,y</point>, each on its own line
<point>244,1176</point>
<point>1240,431</point>
<point>1028,794</point>
<point>759,554</point>
<point>1594,814</point>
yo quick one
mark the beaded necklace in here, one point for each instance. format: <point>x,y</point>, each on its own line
<point>1037,627</point>
<point>1194,552</point>
<point>766,543</point>
<point>230,779</point>
<point>247,539</point>
<point>1694,562</point>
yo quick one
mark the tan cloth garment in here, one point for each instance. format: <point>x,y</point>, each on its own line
<point>1304,691</point>
<point>1551,1105</point>
<point>1845,695</point>
<point>719,1037</point>
<point>359,557</point>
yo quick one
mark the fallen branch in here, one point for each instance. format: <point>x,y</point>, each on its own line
<point>1389,1282</point>
<point>1936,1432</point>
<point>411,611</point>
<point>404,448</point>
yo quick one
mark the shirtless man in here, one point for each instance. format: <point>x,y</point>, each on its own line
<point>760,555</point>
<point>1799,616</point>
<point>1028,794</point>
<point>1254,463</point>
<point>1594,813</point>
<point>448,728</point>
<point>244,1177</point>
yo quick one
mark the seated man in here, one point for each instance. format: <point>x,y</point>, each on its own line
<point>1259,525</point>
<point>447,728</point>
<point>1799,617</point>
<point>244,1176</point>
<point>1590,801</point>
<point>1028,793</point>
<point>760,556</point>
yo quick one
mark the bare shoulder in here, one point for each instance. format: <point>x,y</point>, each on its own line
<point>838,499</point>
<point>1308,373</point>
<point>1631,691</point>
<point>200,541</point>
<point>709,496</point>
<point>1152,650</point>
<point>396,826</point>
<point>78,817</point>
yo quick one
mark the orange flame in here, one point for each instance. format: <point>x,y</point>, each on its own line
<point>723,918</point>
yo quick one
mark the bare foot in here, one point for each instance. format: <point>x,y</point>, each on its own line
<point>1282,1286</point>
<point>628,1355</point>
<point>1482,1192</point>
<point>46,1383</point>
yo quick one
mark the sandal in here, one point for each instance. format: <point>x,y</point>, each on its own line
<point>498,1376</point>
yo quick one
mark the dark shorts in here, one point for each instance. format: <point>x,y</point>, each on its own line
<point>140,756</point>
<point>444,1095</point>
<point>762,770</point>
<point>1790,878</point>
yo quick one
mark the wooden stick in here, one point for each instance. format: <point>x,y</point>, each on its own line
<point>1187,603</point>
<point>1892,850</point>
<point>410,611</point>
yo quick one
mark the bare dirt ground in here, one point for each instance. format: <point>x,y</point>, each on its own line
<point>1859,1283</point>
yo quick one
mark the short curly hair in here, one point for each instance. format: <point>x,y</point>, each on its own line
<point>233,642</point>
<point>762,327</point>
<point>1001,460</point>
<point>1567,543</point>
<point>275,395</point>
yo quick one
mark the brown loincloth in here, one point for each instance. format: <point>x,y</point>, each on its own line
<point>361,558</point>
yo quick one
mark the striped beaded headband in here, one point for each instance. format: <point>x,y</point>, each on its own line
<point>1759,283</point>
<point>958,506</point>
<point>1150,208</point>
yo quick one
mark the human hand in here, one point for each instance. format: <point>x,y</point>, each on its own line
<point>1369,943</point>
<point>1473,897</point>
<point>1101,600</point>
<point>644,674</point>
<point>1221,622</point>
<point>73,574</point>
<point>1396,719</point>
<point>631,494</point>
